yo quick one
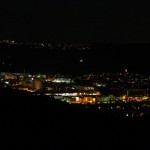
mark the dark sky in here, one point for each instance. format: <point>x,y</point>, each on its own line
<point>103,21</point>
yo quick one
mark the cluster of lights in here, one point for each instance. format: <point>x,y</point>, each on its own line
<point>61,80</point>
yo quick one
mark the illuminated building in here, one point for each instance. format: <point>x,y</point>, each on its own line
<point>8,76</point>
<point>78,97</point>
<point>37,84</point>
<point>62,80</point>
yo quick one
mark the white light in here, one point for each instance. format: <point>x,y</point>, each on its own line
<point>7,82</point>
<point>77,98</point>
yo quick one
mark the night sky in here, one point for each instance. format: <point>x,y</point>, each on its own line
<point>101,21</point>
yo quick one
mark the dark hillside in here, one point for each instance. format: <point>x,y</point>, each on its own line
<point>50,124</point>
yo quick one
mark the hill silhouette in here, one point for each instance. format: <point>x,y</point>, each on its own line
<point>98,58</point>
<point>40,122</point>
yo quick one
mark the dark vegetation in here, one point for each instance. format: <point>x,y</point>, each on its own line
<point>39,122</point>
<point>98,58</point>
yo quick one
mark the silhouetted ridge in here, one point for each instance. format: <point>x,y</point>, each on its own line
<point>59,125</point>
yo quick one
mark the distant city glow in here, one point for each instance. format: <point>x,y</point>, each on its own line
<point>84,89</point>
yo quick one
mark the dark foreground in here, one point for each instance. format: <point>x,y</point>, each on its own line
<point>34,122</point>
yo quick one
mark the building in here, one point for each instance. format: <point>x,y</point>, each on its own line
<point>37,84</point>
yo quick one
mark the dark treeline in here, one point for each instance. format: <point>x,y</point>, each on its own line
<point>98,58</point>
<point>40,122</point>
